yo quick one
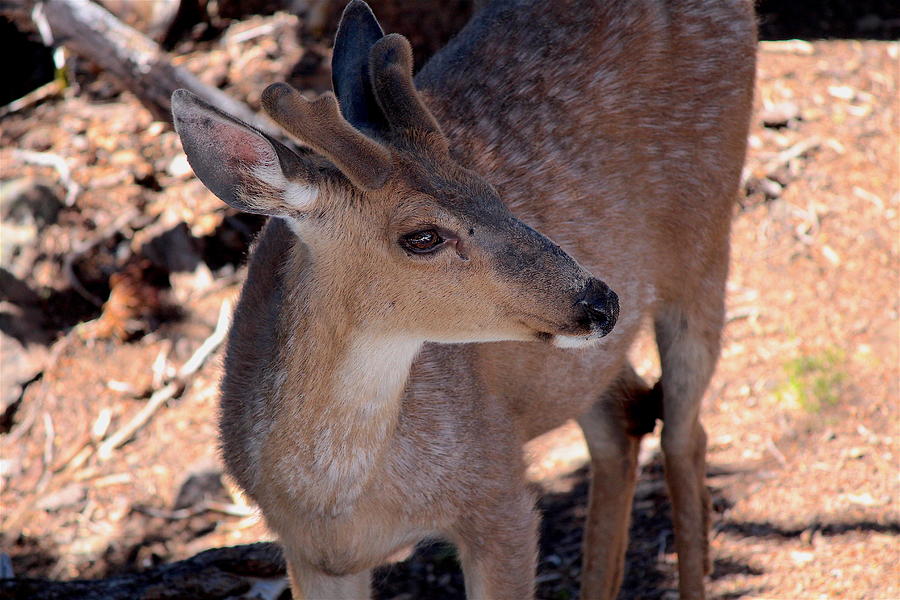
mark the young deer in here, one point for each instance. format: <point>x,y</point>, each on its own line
<point>354,410</point>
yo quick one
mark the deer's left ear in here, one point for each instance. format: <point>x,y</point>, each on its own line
<point>244,167</point>
<point>357,33</point>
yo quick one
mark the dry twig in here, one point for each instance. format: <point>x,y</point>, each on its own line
<point>48,159</point>
<point>171,389</point>
<point>234,510</point>
<point>134,60</point>
<point>795,151</point>
<point>49,439</point>
<point>48,90</point>
<point>85,449</point>
<point>123,434</point>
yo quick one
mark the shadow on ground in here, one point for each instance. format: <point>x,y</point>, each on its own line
<point>433,572</point>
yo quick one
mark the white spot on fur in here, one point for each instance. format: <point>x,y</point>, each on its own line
<point>348,437</point>
<point>296,195</point>
<point>299,195</point>
<point>376,369</point>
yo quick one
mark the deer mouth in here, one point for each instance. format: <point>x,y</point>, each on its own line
<point>580,335</point>
<point>575,341</point>
<point>568,341</point>
<point>593,316</point>
<point>548,332</point>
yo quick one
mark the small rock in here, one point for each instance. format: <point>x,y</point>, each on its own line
<point>801,558</point>
<point>842,92</point>
<point>124,157</point>
<point>156,128</point>
<point>855,453</point>
<point>199,485</point>
<point>780,114</point>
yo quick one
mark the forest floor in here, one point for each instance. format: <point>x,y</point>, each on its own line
<point>106,298</point>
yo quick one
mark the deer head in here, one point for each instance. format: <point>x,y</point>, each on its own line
<point>402,235</point>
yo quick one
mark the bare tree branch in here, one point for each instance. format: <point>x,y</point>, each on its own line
<point>137,62</point>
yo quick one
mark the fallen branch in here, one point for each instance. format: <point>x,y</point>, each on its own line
<point>122,435</point>
<point>48,90</point>
<point>137,62</point>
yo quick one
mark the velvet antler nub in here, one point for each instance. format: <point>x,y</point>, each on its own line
<point>319,124</point>
<point>391,64</point>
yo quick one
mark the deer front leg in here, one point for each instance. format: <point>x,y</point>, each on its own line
<point>498,549</point>
<point>310,583</point>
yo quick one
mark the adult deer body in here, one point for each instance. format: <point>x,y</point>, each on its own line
<point>618,130</point>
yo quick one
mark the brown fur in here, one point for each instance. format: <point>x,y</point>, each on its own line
<point>616,128</point>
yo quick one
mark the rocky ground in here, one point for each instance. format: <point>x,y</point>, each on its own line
<point>117,264</point>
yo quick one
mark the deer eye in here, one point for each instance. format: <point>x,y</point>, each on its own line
<point>422,242</point>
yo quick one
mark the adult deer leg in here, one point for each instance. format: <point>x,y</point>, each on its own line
<point>613,438</point>
<point>688,346</point>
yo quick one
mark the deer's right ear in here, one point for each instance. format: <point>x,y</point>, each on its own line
<point>244,167</point>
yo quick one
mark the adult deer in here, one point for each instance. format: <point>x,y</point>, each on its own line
<point>354,409</point>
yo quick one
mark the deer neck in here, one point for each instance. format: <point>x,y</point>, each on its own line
<point>340,384</point>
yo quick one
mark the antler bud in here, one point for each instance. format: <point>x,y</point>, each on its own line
<point>319,123</point>
<point>392,82</point>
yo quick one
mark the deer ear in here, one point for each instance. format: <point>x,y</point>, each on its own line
<point>247,169</point>
<point>357,33</point>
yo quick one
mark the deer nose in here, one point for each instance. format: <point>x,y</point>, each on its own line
<point>600,305</point>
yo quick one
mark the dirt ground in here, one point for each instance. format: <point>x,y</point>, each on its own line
<point>115,273</point>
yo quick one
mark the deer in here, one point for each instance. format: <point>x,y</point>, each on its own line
<point>459,261</point>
